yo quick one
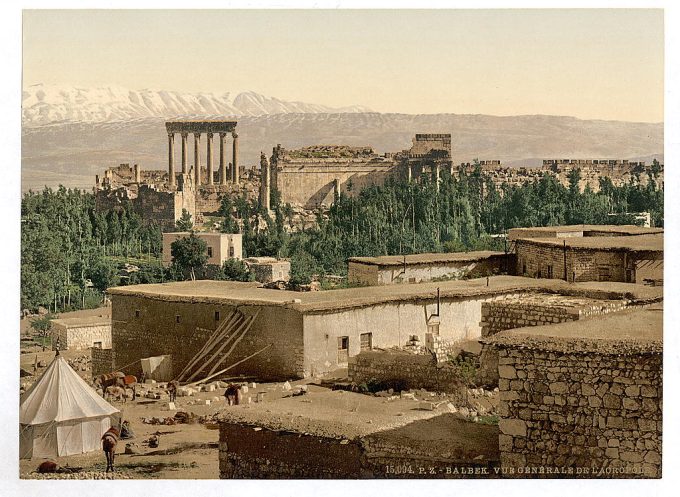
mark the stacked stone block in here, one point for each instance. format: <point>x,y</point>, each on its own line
<point>102,361</point>
<point>541,310</point>
<point>597,414</point>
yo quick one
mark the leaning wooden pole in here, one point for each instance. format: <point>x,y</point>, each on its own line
<point>230,367</point>
<point>233,346</point>
<point>211,342</point>
<point>239,332</point>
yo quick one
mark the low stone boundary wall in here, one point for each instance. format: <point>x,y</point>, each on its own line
<point>403,369</point>
<point>535,310</point>
<point>102,361</point>
<point>540,310</point>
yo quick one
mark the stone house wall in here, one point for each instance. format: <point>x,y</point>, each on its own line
<point>269,454</point>
<point>504,315</point>
<point>81,337</point>
<point>599,411</point>
<point>508,314</point>
<point>389,324</point>
<point>102,361</point>
<point>537,261</point>
<point>147,327</point>
<point>255,452</point>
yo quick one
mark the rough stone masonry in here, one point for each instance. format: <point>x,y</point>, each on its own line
<point>582,402</point>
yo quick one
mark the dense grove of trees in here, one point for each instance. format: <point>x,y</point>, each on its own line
<point>68,249</point>
<point>70,253</point>
<point>460,214</point>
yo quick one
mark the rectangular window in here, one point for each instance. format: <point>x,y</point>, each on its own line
<point>137,313</point>
<point>366,341</point>
<point>231,251</point>
<point>343,350</point>
<point>210,252</point>
<point>603,273</point>
<point>177,318</point>
<point>217,315</point>
<point>97,345</point>
<point>550,272</point>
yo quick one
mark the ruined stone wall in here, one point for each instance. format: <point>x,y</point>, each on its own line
<point>146,327</point>
<point>594,411</point>
<point>534,260</point>
<point>102,361</point>
<point>412,371</point>
<point>268,454</point>
<point>311,183</point>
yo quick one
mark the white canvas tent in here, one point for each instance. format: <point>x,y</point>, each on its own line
<point>61,415</point>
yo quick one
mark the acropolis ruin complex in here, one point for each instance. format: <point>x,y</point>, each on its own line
<point>311,177</point>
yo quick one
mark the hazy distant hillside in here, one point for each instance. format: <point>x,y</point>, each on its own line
<point>72,153</point>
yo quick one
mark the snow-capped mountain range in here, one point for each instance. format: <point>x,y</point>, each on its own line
<point>45,104</point>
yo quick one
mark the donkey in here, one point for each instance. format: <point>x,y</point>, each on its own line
<point>233,395</point>
<point>109,442</point>
<point>118,379</point>
<point>116,392</point>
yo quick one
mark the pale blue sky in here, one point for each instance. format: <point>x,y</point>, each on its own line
<point>605,63</point>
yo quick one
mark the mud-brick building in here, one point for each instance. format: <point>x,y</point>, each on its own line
<point>590,253</point>
<point>81,333</point>
<point>417,268</point>
<point>306,333</point>
<point>583,396</point>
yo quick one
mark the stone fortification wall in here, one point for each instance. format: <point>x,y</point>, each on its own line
<point>146,327</point>
<point>409,371</point>
<point>102,361</point>
<point>595,413</point>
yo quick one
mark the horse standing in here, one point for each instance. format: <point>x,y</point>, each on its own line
<point>109,442</point>
<point>118,379</point>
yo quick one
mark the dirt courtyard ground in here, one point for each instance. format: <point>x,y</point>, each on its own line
<point>190,450</point>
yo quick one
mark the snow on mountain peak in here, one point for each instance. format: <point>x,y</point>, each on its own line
<point>44,104</point>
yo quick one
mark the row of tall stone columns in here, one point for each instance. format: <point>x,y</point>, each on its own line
<point>197,158</point>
